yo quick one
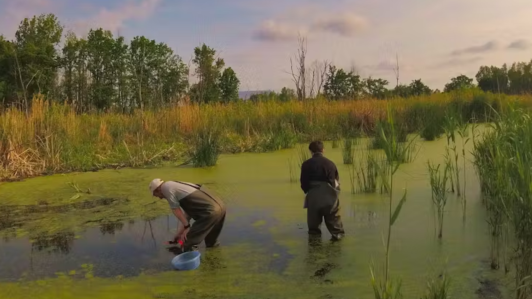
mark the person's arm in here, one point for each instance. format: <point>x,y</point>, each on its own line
<point>304,178</point>
<point>183,221</point>
<point>332,174</point>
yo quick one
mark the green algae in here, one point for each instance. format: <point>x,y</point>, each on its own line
<point>243,269</point>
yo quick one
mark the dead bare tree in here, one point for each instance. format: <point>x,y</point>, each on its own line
<point>396,69</point>
<point>319,74</point>
<point>299,70</point>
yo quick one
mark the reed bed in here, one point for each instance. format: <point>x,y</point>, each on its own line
<point>503,161</point>
<point>52,138</point>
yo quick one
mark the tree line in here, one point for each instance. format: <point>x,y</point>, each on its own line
<point>101,71</point>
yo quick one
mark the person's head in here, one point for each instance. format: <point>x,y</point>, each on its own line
<point>155,188</point>
<point>316,147</point>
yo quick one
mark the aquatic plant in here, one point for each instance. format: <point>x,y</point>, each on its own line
<point>451,125</point>
<point>303,154</point>
<point>392,149</point>
<point>363,173</point>
<point>438,287</point>
<point>292,171</point>
<point>335,143</point>
<point>348,150</point>
<point>438,184</point>
<point>205,148</point>
<point>464,137</point>
<point>504,164</point>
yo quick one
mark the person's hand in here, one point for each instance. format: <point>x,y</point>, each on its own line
<point>183,234</point>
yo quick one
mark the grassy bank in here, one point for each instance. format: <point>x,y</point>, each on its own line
<point>53,138</point>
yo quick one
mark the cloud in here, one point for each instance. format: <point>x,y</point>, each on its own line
<point>14,11</point>
<point>347,24</point>
<point>114,19</point>
<point>456,62</point>
<point>309,20</point>
<point>519,44</point>
<point>272,30</point>
<point>487,47</point>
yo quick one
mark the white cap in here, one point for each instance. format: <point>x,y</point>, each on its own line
<point>156,183</point>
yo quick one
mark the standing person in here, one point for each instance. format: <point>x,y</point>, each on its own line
<point>194,201</point>
<point>319,181</point>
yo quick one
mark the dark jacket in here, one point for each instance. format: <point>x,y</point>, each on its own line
<point>318,169</point>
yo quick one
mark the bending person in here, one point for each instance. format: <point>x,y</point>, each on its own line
<point>207,210</point>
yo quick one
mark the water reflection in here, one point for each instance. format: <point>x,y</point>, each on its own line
<point>109,228</point>
<point>124,248</point>
<point>61,242</point>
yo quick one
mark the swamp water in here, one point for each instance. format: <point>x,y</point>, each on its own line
<point>101,235</point>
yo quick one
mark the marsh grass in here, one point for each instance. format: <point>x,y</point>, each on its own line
<point>389,288</point>
<point>438,184</point>
<point>504,164</point>
<point>292,170</point>
<point>335,143</point>
<point>303,154</point>
<point>53,138</point>
<point>438,287</point>
<point>348,150</point>
<point>363,173</point>
<point>205,148</point>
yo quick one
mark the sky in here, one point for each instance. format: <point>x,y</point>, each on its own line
<point>434,40</point>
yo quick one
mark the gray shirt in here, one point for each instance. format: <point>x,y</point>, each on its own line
<point>174,192</point>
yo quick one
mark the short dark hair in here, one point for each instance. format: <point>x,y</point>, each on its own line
<point>316,146</point>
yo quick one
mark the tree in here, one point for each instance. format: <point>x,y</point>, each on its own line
<point>376,88</point>
<point>100,44</point>
<point>493,79</point>
<point>402,91</point>
<point>298,68</point>
<point>520,77</point>
<point>460,82</point>
<point>287,94</point>
<point>229,84</point>
<point>418,88</point>
<point>35,54</point>
<point>208,70</point>
<point>341,85</point>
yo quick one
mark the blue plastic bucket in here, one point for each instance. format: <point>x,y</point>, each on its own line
<point>187,260</point>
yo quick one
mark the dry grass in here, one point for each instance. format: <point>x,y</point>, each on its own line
<point>52,138</point>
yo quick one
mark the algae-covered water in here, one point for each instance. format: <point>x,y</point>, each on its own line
<point>101,235</point>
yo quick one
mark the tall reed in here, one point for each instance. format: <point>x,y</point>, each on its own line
<point>303,154</point>
<point>452,124</point>
<point>438,287</point>
<point>52,138</point>
<point>389,138</point>
<point>438,184</point>
<point>504,164</point>
<point>363,173</point>
<point>348,150</point>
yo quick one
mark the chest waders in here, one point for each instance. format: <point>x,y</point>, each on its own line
<point>208,212</point>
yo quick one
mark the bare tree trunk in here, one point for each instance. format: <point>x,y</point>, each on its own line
<point>322,75</point>
<point>396,69</point>
<point>22,84</point>
<point>299,73</point>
